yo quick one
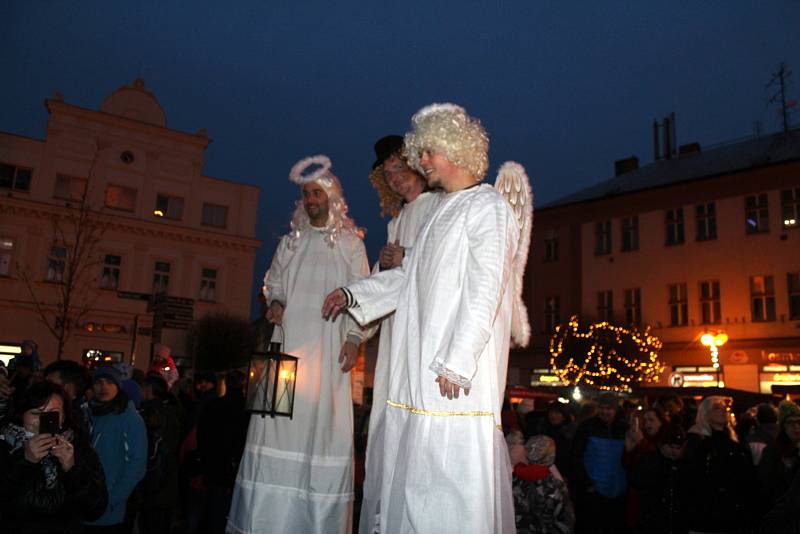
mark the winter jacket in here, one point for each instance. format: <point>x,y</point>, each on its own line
<point>160,484</point>
<point>541,501</point>
<point>775,475</point>
<point>43,498</point>
<point>597,457</point>
<point>221,437</point>
<point>722,483</point>
<point>120,439</point>
<point>662,487</point>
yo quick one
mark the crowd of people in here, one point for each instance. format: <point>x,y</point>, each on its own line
<point>115,449</point>
<point>612,466</point>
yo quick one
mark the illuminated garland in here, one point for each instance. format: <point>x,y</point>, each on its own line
<point>605,356</point>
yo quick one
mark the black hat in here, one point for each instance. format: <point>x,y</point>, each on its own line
<point>385,147</point>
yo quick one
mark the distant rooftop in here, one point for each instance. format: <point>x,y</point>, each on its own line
<point>721,159</point>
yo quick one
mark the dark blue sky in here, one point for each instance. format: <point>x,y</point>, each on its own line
<point>563,89</point>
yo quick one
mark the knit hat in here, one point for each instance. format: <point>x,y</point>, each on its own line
<point>787,409</point>
<point>541,450</point>
<point>108,372</point>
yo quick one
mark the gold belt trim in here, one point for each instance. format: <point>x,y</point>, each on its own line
<point>420,411</point>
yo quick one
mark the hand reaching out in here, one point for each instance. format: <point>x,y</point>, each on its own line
<point>334,303</point>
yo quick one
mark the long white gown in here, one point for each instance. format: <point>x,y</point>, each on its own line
<point>403,228</point>
<point>297,475</point>
<point>445,462</point>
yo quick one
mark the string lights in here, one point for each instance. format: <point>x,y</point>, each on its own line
<point>604,356</point>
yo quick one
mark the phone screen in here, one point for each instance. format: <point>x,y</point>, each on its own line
<point>48,423</point>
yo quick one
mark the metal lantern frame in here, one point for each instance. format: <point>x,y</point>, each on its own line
<point>274,377</point>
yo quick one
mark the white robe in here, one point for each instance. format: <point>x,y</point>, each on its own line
<point>297,475</point>
<point>403,228</point>
<point>445,462</point>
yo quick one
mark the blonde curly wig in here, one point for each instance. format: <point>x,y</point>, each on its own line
<point>449,130</point>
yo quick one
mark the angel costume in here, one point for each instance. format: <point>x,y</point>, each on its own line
<point>297,475</point>
<point>403,228</point>
<point>445,462</point>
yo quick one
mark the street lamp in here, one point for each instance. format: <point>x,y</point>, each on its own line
<point>713,341</point>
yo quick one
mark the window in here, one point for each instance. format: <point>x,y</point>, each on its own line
<point>208,285</point>
<point>120,198</point>
<point>756,214</point>
<point>793,283</point>
<point>706,218</point>
<point>674,226</point>
<point>56,263</point>
<point>602,234</point>
<point>69,187</point>
<point>551,246</point>
<point>215,215</point>
<point>605,306</point>
<point>161,277</point>
<point>169,207</point>
<point>551,313</point>
<point>16,178</point>
<point>762,298</point>
<point>709,302</point>
<point>6,255</point>
<point>790,207</point>
<point>633,306</point>
<point>630,233</point>
<point>678,305</point>
<point>111,267</point>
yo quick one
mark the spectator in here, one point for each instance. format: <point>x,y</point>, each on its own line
<point>541,500</point>
<point>73,377</point>
<point>131,388</point>
<point>783,518</point>
<point>643,437</point>
<point>674,409</point>
<point>221,436</point>
<point>29,355</point>
<point>660,478</point>
<point>559,426</point>
<point>49,483</point>
<point>765,432</point>
<point>164,365</point>
<point>21,368</point>
<point>779,462</point>
<point>721,473</point>
<point>598,476</point>
<point>160,484</point>
<point>120,439</point>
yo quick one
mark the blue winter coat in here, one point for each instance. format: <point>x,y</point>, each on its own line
<point>120,440</point>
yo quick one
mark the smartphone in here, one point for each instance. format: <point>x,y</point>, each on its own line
<point>48,423</point>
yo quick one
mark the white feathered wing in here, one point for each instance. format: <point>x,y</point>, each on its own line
<point>513,183</point>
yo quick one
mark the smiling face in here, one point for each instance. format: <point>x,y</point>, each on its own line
<point>439,171</point>
<point>315,202</point>
<point>401,179</point>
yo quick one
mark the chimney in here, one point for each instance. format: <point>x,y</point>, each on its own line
<point>622,166</point>
<point>688,149</point>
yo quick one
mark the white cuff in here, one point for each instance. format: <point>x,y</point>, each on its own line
<point>439,368</point>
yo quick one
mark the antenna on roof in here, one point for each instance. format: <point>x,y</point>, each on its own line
<point>780,78</point>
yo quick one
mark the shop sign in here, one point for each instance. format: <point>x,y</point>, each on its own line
<point>780,357</point>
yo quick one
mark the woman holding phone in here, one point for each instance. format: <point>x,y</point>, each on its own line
<point>51,479</point>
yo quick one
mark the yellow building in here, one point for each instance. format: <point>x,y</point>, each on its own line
<point>707,241</point>
<point>166,230</point>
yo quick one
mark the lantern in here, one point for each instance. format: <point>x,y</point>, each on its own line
<point>271,381</point>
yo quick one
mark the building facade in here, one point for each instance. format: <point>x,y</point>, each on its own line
<point>171,244</point>
<point>707,242</point>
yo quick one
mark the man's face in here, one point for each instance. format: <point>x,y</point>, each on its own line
<point>606,412</point>
<point>105,389</point>
<point>792,428</point>
<point>439,171</point>
<point>401,179</point>
<point>315,202</point>
<point>555,417</point>
<point>55,378</point>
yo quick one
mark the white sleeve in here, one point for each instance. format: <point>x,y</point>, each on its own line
<point>377,295</point>
<point>273,280</point>
<point>358,269</point>
<point>492,237</point>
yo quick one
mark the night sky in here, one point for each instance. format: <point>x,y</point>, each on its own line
<point>563,89</point>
